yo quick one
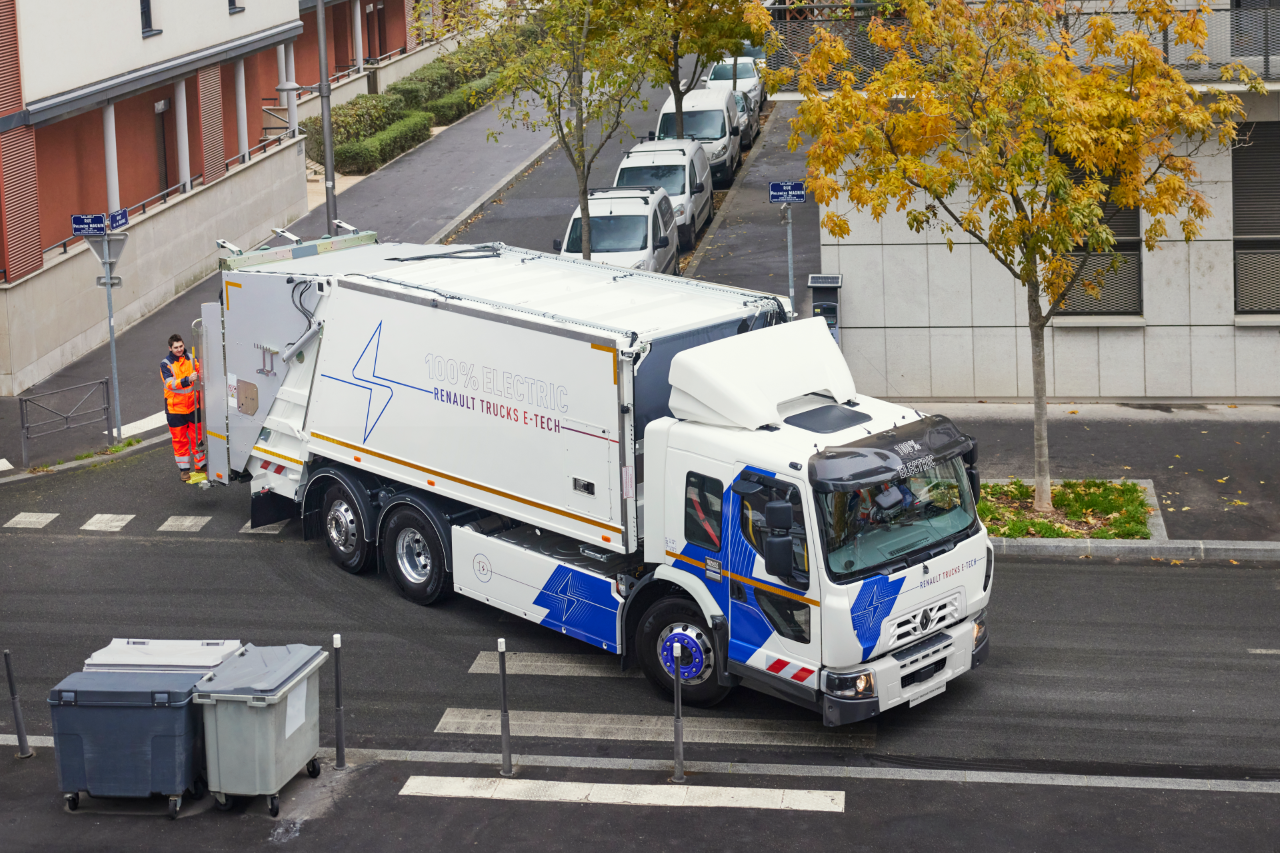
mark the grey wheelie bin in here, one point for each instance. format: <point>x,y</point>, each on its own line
<point>127,734</point>
<point>261,720</point>
<point>162,655</point>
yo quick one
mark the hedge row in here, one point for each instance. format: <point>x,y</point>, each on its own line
<point>462,100</point>
<point>359,118</point>
<point>430,82</point>
<point>367,155</point>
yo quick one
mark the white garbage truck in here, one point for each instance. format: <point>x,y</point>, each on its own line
<point>632,459</point>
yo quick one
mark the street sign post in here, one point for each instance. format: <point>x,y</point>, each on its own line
<point>106,247</point>
<point>787,193</point>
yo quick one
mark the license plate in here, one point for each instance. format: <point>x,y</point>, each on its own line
<point>928,694</point>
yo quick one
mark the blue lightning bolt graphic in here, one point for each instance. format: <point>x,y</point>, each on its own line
<point>365,374</point>
<point>874,602</point>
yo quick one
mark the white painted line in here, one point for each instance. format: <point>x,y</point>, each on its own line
<point>6,465</point>
<point>32,740</point>
<point>1257,651</point>
<point>184,523</point>
<point>31,519</point>
<point>623,795</point>
<point>157,420</point>
<point>535,663</point>
<point>553,724</point>
<point>108,523</point>
<point>270,528</point>
<point>811,771</point>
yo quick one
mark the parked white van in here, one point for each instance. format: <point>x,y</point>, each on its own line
<point>679,166</point>
<point>710,117</point>
<point>633,227</point>
<point>721,77</point>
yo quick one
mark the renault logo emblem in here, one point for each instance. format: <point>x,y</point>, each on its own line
<point>925,620</point>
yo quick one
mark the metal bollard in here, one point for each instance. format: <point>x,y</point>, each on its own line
<point>24,748</point>
<point>675,665</point>
<point>341,762</point>
<point>506,718</point>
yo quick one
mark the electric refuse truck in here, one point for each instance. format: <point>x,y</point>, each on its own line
<point>628,458</point>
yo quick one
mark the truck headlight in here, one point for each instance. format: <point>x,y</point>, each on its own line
<point>640,265</point>
<point>980,629</point>
<point>679,210</point>
<point>859,684</point>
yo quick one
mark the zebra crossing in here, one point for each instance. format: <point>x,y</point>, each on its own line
<point>115,523</point>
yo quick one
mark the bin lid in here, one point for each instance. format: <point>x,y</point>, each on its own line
<point>260,671</point>
<point>127,689</point>
<point>176,655</point>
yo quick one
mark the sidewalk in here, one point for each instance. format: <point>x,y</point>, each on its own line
<point>411,199</point>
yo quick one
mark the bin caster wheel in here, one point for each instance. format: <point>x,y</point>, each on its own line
<point>175,803</point>
<point>73,801</point>
<point>273,805</point>
<point>225,804</point>
<point>198,789</point>
<point>313,768</point>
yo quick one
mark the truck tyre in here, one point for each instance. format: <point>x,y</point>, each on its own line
<point>344,531</point>
<point>414,554</point>
<point>680,616</point>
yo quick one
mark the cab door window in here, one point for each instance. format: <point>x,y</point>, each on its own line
<point>752,519</point>
<point>702,510</point>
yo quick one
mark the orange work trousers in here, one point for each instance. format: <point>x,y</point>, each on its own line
<point>186,441</point>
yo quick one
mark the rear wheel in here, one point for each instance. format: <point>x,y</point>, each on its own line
<point>344,531</point>
<point>679,620</point>
<point>412,550</point>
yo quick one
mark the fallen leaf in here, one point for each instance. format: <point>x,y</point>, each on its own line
<point>1202,432</point>
<point>1126,467</point>
<point>1073,412</point>
<point>1185,508</point>
<point>1233,562</point>
<point>1223,480</point>
<point>1171,562</point>
<point>1230,406</point>
<point>1177,456</point>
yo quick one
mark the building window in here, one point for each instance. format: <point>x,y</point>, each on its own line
<point>1255,186</point>
<point>148,27</point>
<point>233,7</point>
<point>1122,288</point>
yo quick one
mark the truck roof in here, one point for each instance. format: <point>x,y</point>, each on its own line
<point>532,285</point>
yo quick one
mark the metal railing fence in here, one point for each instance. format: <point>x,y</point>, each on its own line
<point>70,419</point>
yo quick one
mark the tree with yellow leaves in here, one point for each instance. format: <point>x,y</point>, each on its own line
<point>1026,126</point>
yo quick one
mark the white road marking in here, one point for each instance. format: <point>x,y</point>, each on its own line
<point>535,663</point>
<point>32,740</point>
<point>270,528</point>
<point>535,790</point>
<point>31,519</point>
<point>6,465</point>
<point>108,523</point>
<point>157,420</point>
<point>553,724</point>
<point>184,523</point>
<point>1257,651</point>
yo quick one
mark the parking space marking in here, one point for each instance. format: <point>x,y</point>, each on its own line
<point>157,420</point>
<point>555,724</point>
<point>32,740</point>
<point>270,528</point>
<point>184,523</point>
<point>534,790</point>
<point>107,523</point>
<point>536,663</point>
<point>31,519</point>
<point>1264,651</point>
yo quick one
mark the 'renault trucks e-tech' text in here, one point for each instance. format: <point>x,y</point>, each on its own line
<point>628,458</point>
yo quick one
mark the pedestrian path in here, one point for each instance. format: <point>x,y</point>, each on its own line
<point>629,727</point>
<point>597,793</point>
<point>109,523</point>
<point>536,663</point>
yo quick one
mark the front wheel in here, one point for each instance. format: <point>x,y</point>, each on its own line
<point>313,768</point>
<point>412,550</point>
<point>679,620</point>
<point>344,531</point>
<point>273,805</point>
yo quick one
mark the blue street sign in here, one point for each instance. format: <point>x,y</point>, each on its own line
<point>119,218</point>
<point>786,192</point>
<point>88,224</point>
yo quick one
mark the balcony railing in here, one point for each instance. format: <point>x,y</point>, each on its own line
<point>1248,36</point>
<point>161,197</point>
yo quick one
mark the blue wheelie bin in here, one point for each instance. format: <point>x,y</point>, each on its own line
<point>128,734</point>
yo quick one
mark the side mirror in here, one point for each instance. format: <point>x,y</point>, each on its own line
<point>699,188</point>
<point>745,487</point>
<point>975,483</point>
<point>777,556</point>
<point>777,516</point>
<point>704,78</point>
<point>557,245</point>
<point>662,242</point>
<point>652,136</point>
<point>733,131</point>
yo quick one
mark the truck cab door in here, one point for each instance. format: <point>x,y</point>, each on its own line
<point>695,520</point>
<point>774,623</point>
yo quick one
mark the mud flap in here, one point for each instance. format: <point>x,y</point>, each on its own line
<point>268,508</point>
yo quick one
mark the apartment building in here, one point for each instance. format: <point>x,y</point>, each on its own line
<point>1195,321</point>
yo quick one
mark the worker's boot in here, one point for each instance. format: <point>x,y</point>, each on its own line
<point>184,476</point>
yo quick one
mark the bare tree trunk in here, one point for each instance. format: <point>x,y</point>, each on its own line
<point>584,201</point>
<point>677,90</point>
<point>1037,322</point>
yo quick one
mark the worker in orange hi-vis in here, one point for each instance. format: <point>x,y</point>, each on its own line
<point>179,373</point>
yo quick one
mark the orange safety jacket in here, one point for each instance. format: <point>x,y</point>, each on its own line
<point>178,375</point>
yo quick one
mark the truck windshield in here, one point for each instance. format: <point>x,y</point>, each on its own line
<point>889,521</point>
<point>703,125</point>
<point>611,234</point>
<point>670,178</point>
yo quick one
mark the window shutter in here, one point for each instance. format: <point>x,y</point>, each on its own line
<point>1255,179</point>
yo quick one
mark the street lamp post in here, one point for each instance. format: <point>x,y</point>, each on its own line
<point>326,122</point>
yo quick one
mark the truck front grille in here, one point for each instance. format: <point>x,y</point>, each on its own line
<point>929,618</point>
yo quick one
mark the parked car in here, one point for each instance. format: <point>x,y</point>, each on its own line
<point>632,227</point>
<point>679,166</point>
<point>748,120</point>
<point>721,77</point>
<point>710,117</point>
